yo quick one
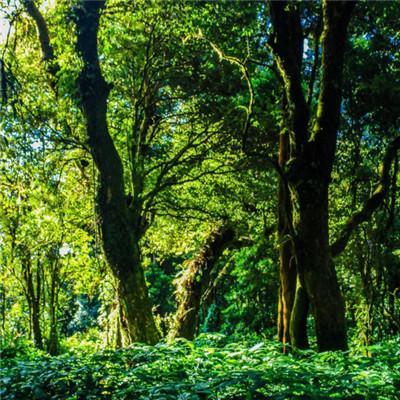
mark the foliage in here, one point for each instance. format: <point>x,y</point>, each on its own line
<point>245,296</point>
<point>195,112</point>
<point>211,367</point>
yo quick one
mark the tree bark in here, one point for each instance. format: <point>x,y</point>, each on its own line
<point>120,246</point>
<point>52,346</point>
<point>287,266</point>
<point>196,280</point>
<point>316,271</point>
<point>298,318</point>
<point>312,152</point>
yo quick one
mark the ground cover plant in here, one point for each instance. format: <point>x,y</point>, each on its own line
<point>211,367</point>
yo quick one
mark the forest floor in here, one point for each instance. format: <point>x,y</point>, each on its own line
<point>211,367</point>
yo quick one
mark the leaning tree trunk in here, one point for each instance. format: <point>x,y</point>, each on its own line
<point>196,279</point>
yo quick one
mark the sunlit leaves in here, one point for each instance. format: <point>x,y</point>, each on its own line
<point>213,367</point>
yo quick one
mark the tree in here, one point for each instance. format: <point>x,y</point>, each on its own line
<point>311,159</point>
<point>307,173</point>
<point>123,218</point>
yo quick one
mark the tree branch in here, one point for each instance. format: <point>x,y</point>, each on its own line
<point>372,204</point>
<point>44,39</point>
<point>336,17</point>
<point>317,35</point>
<point>286,44</point>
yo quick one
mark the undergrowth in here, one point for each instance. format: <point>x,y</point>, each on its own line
<point>211,367</point>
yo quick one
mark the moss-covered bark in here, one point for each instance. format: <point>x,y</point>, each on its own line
<point>120,240</point>
<point>298,318</point>
<point>308,170</point>
<point>287,265</point>
<point>196,279</point>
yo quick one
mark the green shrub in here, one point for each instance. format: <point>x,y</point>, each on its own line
<point>211,367</point>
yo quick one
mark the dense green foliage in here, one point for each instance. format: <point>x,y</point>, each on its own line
<point>206,170</point>
<point>212,367</point>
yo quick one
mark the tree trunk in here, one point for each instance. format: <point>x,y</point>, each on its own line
<point>33,298</point>
<point>3,308</point>
<point>316,270</point>
<point>52,346</point>
<point>298,318</point>
<point>119,243</point>
<point>37,332</point>
<point>312,153</point>
<point>287,266</point>
<point>191,286</point>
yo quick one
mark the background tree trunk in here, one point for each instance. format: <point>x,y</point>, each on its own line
<point>52,346</point>
<point>33,298</point>
<point>196,279</point>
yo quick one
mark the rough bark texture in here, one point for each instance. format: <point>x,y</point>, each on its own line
<point>120,246</point>
<point>196,279</point>
<point>298,318</point>
<point>311,159</point>
<point>287,265</point>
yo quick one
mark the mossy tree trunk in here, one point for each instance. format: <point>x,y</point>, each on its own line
<point>308,170</point>
<point>196,279</point>
<point>120,241</point>
<point>298,318</point>
<point>287,265</point>
<point>120,234</point>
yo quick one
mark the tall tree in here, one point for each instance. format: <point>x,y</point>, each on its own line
<point>312,151</point>
<point>120,247</point>
<point>166,141</point>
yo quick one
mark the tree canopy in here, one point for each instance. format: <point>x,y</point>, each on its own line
<point>178,169</point>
